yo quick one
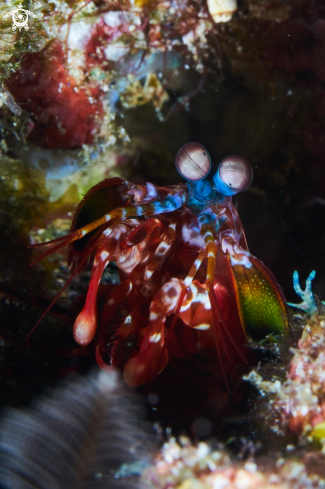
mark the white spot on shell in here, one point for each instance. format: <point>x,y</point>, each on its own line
<point>155,338</point>
<point>191,235</point>
<point>152,190</point>
<point>153,316</point>
<point>170,295</point>
<point>226,246</point>
<point>107,231</point>
<point>103,255</point>
<point>148,274</point>
<point>241,259</point>
<point>202,327</point>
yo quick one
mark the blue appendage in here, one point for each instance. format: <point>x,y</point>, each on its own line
<point>308,305</point>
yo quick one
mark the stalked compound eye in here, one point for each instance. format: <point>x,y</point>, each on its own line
<point>234,175</point>
<point>193,162</point>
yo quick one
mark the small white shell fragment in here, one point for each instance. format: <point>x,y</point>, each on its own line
<point>222,10</point>
<point>7,99</point>
<point>115,52</point>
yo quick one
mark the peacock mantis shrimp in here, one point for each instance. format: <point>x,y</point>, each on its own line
<point>188,280</point>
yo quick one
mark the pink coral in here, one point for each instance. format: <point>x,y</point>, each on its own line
<point>65,115</point>
<point>299,402</point>
<point>302,398</point>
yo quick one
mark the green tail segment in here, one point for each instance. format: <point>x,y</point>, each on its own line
<point>260,300</point>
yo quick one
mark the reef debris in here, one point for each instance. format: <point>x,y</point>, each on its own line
<point>297,403</point>
<point>301,400</point>
<point>184,465</point>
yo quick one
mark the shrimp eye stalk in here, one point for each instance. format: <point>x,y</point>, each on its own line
<point>234,175</point>
<point>193,162</point>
